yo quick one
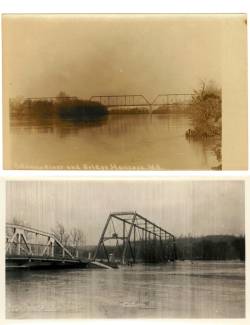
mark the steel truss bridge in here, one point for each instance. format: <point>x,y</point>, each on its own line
<point>130,100</point>
<point>142,101</point>
<point>29,247</point>
<point>129,237</point>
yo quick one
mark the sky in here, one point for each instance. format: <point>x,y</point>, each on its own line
<point>110,55</point>
<point>180,207</point>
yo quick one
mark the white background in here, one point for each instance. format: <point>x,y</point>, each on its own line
<point>117,6</point>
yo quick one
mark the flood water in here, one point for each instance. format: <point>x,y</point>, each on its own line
<point>140,141</point>
<point>174,290</point>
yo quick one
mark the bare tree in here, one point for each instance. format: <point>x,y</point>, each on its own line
<point>62,97</point>
<point>60,233</point>
<point>19,221</point>
<point>77,239</point>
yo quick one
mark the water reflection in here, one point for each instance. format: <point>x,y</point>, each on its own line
<point>142,140</point>
<point>61,127</point>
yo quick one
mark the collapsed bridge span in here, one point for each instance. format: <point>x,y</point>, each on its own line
<point>129,237</point>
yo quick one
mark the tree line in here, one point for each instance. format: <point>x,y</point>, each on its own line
<point>62,107</point>
<point>212,247</point>
<point>220,247</point>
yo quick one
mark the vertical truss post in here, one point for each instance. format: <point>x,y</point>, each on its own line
<point>52,247</point>
<point>166,246</point>
<point>128,240</point>
<point>134,244</point>
<point>36,244</point>
<point>123,233</point>
<point>18,244</point>
<point>105,251</point>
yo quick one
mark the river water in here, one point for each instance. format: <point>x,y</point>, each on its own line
<point>140,141</point>
<point>174,290</point>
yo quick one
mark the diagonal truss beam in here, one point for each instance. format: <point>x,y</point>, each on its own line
<point>134,223</point>
<point>19,233</point>
<point>141,100</point>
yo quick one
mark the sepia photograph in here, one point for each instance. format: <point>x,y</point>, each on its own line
<point>105,249</point>
<point>125,91</point>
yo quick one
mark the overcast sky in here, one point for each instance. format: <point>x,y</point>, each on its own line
<point>198,208</point>
<point>101,55</point>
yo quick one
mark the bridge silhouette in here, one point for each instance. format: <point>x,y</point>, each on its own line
<point>142,101</point>
<point>132,100</point>
<point>125,236</point>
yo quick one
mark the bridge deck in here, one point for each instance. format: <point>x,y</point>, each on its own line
<point>31,262</point>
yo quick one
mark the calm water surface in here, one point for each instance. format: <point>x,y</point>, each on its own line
<point>119,141</point>
<point>180,290</point>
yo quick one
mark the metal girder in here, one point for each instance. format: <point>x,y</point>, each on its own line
<point>172,99</point>
<point>136,100</point>
<point>121,100</point>
<point>20,235</point>
<point>134,224</point>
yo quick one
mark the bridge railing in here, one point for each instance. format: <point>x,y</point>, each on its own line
<point>38,250</point>
<point>27,241</point>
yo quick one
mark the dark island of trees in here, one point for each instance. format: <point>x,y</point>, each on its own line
<point>61,107</point>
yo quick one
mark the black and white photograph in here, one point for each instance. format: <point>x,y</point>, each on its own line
<point>105,249</point>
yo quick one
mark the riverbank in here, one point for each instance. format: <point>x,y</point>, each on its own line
<point>206,113</point>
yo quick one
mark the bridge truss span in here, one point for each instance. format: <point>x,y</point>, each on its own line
<point>140,101</point>
<point>129,237</point>
<point>172,99</point>
<point>22,241</point>
<point>121,100</point>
